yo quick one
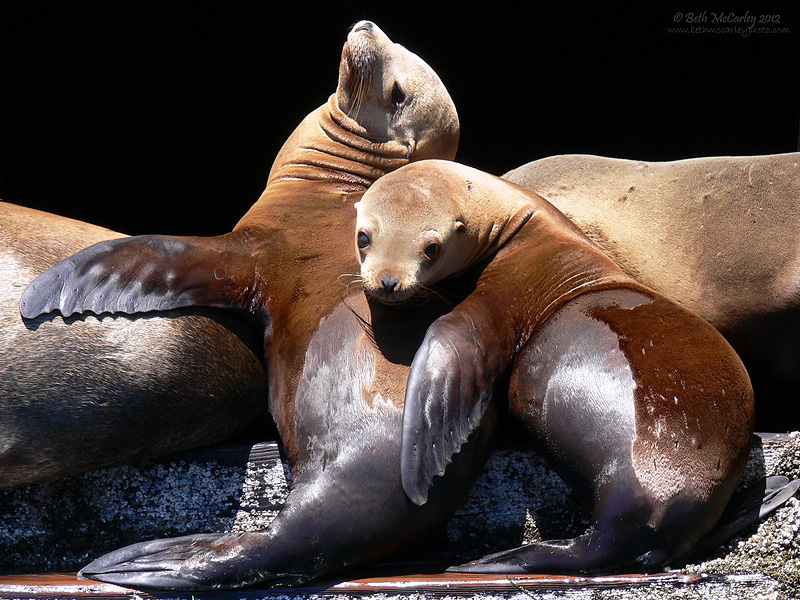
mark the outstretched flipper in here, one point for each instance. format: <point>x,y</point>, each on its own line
<point>192,562</point>
<point>450,385</point>
<point>145,273</point>
<point>596,548</point>
<point>746,508</point>
<point>156,563</point>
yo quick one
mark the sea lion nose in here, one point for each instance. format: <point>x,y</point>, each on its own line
<point>389,282</point>
<point>367,26</point>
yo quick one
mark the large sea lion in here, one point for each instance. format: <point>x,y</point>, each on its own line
<point>337,367</point>
<point>640,404</point>
<point>85,393</point>
<point>718,235</point>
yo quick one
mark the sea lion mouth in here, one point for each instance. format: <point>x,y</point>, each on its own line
<point>403,295</point>
<point>390,299</point>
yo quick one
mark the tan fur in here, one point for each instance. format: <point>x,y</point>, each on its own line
<point>719,235</point>
<point>464,222</point>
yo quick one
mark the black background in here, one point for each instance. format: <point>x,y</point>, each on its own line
<point>165,117</point>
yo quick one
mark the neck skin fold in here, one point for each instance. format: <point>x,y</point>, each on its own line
<point>330,147</point>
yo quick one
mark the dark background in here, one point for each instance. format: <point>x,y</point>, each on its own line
<point>165,117</point>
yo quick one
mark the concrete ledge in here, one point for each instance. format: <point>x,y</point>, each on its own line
<point>61,525</point>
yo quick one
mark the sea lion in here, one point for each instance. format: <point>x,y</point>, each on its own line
<point>337,369</point>
<point>85,393</point>
<point>718,235</point>
<point>640,404</point>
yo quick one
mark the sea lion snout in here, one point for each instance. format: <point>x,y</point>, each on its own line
<point>389,286</point>
<point>367,26</point>
<point>359,56</point>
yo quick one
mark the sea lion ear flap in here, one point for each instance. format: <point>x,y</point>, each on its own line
<point>447,395</point>
<point>134,275</point>
<point>460,227</point>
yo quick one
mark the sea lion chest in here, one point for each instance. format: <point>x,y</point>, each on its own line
<point>302,269</point>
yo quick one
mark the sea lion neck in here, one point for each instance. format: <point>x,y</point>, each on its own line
<point>495,234</point>
<point>493,219</point>
<point>329,147</point>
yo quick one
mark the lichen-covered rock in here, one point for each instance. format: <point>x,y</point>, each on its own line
<point>59,526</point>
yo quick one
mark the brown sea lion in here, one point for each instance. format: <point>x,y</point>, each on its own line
<point>718,235</point>
<point>85,393</point>
<point>640,404</point>
<point>337,367</point>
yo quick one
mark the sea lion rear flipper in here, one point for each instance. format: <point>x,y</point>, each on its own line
<point>141,274</point>
<point>746,508</point>
<point>193,562</point>
<point>146,564</point>
<point>449,387</point>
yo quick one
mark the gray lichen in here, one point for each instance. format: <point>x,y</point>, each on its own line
<point>59,526</point>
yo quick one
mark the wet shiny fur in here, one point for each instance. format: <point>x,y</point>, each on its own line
<point>640,404</point>
<point>336,381</point>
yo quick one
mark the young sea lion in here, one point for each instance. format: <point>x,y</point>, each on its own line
<point>640,404</point>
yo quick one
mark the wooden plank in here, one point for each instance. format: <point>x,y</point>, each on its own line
<point>61,585</point>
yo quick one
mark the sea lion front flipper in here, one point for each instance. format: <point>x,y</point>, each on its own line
<point>450,384</point>
<point>144,273</point>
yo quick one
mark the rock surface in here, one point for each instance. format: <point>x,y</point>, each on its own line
<point>61,525</point>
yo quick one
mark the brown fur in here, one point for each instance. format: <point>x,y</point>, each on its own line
<point>718,235</point>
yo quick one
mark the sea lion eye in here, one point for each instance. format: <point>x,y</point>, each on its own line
<point>432,250</point>
<point>362,240</point>
<point>398,95</point>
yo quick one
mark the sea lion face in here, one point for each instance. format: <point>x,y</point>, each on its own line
<point>410,236</point>
<point>393,95</point>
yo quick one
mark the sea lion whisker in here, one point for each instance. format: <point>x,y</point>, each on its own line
<point>354,277</point>
<point>367,84</point>
<point>359,95</point>
<point>350,285</point>
<point>362,85</point>
<point>428,291</point>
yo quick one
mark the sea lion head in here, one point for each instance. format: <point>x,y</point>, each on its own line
<point>389,94</point>
<point>411,232</point>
